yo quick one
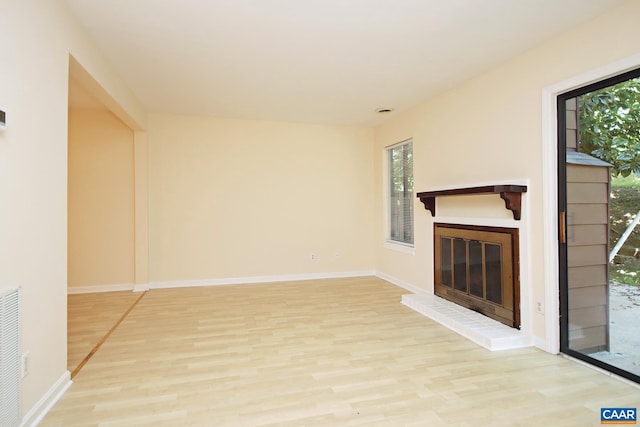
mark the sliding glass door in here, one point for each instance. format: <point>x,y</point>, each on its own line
<point>599,208</point>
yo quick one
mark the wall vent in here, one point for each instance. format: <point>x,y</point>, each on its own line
<point>10,358</point>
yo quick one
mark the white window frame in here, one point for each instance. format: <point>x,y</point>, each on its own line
<point>404,246</point>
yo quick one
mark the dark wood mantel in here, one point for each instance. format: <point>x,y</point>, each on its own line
<point>511,194</point>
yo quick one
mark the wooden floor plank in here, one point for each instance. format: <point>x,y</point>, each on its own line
<point>341,352</point>
<point>89,319</point>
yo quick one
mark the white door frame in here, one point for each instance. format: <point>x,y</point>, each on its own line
<point>550,185</point>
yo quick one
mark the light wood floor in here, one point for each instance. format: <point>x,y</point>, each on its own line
<point>90,317</point>
<point>316,353</point>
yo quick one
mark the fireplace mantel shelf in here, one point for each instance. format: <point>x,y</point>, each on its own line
<point>511,194</point>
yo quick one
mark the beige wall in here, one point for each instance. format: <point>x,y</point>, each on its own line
<point>100,200</point>
<point>37,38</point>
<point>240,198</point>
<point>489,130</point>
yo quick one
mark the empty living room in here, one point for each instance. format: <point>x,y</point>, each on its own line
<point>297,213</point>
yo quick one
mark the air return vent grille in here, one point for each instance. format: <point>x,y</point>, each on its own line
<point>9,358</point>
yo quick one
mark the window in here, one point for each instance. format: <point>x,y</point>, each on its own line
<point>401,192</point>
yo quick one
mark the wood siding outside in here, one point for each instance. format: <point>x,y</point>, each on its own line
<point>587,240</point>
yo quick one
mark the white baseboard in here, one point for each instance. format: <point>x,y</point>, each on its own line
<point>258,279</point>
<point>405,285</point>
<point>46,402</point>
<point>99,288</point>
<point>542,344</point>
<point>140,287</point>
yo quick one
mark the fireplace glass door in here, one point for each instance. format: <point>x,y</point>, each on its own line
<point>474,267</point>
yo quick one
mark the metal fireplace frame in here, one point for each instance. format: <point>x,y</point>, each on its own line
<point>507,309</point>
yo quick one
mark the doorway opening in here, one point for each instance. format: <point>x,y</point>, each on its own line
<point>598,201</point>
<point>100,215</point>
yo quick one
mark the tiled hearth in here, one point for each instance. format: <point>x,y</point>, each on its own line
<point>480,329</point>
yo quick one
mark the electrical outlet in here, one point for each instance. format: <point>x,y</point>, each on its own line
<point>24,364</point>
<point>540,307</point>
<point>312,257</point>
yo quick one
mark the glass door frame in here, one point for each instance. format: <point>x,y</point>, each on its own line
<point>562,223</point>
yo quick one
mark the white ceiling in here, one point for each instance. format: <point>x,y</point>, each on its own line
<point>317,61</point>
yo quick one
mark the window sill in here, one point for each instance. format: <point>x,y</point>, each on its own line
<point>400,247</point>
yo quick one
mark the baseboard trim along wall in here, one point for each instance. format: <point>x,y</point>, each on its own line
<point>46,402</point>
<point>401,283</point>
<point>141,287</point>
<point>258,279</point>
<point>99,288</point>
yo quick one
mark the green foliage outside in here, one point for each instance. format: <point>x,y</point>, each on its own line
<point>609,122</point>
<point>610,126</point>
